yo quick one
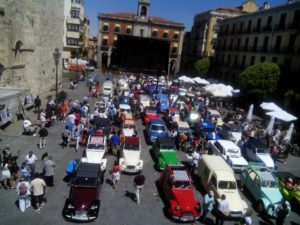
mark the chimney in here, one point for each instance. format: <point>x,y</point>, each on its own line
<point>266,6</point>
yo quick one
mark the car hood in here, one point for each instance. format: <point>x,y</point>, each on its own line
<point>266,159</point>
<point>238,160</point>
<point>169,157</point>
<point>236,136</point>
<point>151,116</point>
<point>145,103</point>
<point>94,157</point>
<point>128,132</point>
<point>234,199</point>
<point>272,194</point>
<point>184,197</point>
<point>131,157</point>
<point>83,197</point>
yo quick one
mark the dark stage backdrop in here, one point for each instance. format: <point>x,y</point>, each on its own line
<point>142,54</point>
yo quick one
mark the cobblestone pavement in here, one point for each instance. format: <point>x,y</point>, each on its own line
<point>117,207</point>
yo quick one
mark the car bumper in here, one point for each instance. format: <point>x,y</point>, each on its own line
<point>186,218</point>
<point>81,216</point>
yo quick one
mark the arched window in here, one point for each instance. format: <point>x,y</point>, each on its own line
<point>142,32</point>
<point>154,33</point>
<point>143,11</point>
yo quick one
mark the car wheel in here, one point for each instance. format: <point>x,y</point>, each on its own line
<point>260,207</point>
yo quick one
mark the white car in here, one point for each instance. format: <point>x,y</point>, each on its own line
<point>130,161</point>
<point>127,109</point>
<point>217,115</point>
<point>95,151</point>
<point>257,151</point>
<point>226,148</point>
<point>231,131</point>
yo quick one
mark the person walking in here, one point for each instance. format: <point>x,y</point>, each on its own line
<point>282,214</point>
<point>37,104</point>
<point>115,174</point>
<point>6,175</point>
<point>38,187</point>
<point>49,168</point>
<point>223,211</point>
<point>43,133</point>
<point>71,170</point>
<point>23,192</point>
<point>63,111</point>
<point>208,205</point>
<point>115,143</point>
<point>76,136</point>
<point>66,135</point>
<point>25,171</point>
<point>138,181</point>
<point>31,159</point>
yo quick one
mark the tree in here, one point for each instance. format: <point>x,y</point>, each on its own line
<point>202,66</point>
<point>260,80</point>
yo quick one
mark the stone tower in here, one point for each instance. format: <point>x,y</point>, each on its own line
<point>143,12</point>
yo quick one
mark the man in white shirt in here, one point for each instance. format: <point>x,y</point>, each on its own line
<point>28,126</point>
<point>223,210</point>
<point>31,159</point>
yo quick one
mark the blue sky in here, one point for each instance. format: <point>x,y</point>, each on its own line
<point>181,11</point>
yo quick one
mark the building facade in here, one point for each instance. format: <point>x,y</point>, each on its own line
<point>271,34</point>
<point>139,24</point>
<point>205,29</point>
<point>74,28</point>
<point>92,49</point>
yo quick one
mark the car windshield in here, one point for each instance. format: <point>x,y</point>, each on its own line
<point>107,89</point>
<point>129,126</point>
<point>158,128</point>
<point>151,111</point>
<point>95,147</point>
<point>132,147</point>
<point>181,184</point>
<point>262,151</point>
<point>233,151</point>
<point>166,147</point>
<point>184,130</point>
<point>227,185</point>
<point>126,110</point>
<point>269,184</point>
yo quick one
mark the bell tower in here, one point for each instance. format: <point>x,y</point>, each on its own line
<point>143,11</point>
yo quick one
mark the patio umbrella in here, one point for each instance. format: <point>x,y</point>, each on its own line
<point>182,78</point>
<point>288,136</point>
<point>282,115</point>
<point>250,113</point>
<point>199,80</point>
<point>270,126</point>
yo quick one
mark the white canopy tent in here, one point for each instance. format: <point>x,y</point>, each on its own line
<point>220,90</point>
<point>199,80</point>
<point>282,115</point>
<point>270,106</point>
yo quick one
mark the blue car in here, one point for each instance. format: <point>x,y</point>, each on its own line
<point>208,130</point>
<point>123,100</point>
<point>156,128</point>
<point>164,102</point>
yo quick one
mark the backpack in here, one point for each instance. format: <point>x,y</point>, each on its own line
<point>23,188</point>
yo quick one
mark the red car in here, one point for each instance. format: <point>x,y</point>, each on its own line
<point>177,187</point>
<point>150,113</point>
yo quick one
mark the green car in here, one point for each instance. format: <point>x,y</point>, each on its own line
<point>164,152</point>
<point>291,195</point>
<point>263,186</point>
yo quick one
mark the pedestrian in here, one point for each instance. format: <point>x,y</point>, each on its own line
<point>229,161</point>
<point>138,181</point>
<point>31,159</point>
<point>37,104</point>
<point>43,133</point>
<point>115,174</point>
<point>76,135</point>
<point>246,219</point>
<point>282,214</point>
<point>23,192</point>
<point>38,187</point>
<point>66,135</point>
<point>115,143</point>
<point>6,175</point>
<point>42,118</point>
<point>223,210</point>
<point>63,111</point>
<point>49,168</point>
<point>71,170</point>
<point>26,171</point>
<point>208,204</point>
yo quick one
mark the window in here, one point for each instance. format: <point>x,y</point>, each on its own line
<point>117,29</point>
<point>246,43</point>
<point>274,59</point>
<point>296,20</point>
<point>142,32</point>
<point>72,27</point>
<point>241,27</point>
<point>238,44</point>
<point>174,50</point>
<point>228,60</point>
<point>233,29</point>
<point>292,42</point>
<point>175,36</point>
<point>214,181</point>
<point>72,41</point>
<point>269,22</point>
<point>75,13</point>
<point>224,46</point>
<point>278,43</point>
<point>252,60</point>
<point>143,11</point>
<point>262,59</point>
<point>231,44</point>
<point>105,27</point>
<point>165,34</point>
<point>76,1</point>
<point>128,30</point>
<point>255,44</point>
<point>227,28</point>
<point>243,61</point>
<point>258,24</point>
<point>249,25</point>
<point>265,46</point>
<point>236,58</point>
<point>154,33</point>
<point>282,21</point>
<point>104,42</point>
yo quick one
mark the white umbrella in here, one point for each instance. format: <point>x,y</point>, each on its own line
<point>288,136</point>
<point>270,106</point>
<point>282,115</point>
<point>250,113</point>
<point>182,78</point>
<point>270,126</point>
<point>200,80</point>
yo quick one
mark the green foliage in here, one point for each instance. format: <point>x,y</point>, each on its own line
<point>260,80</point>
<point>291,99</point>
<point>202,66</point>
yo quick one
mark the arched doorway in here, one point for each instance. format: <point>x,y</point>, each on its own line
<point>104,60</point>
<point>172,67</point>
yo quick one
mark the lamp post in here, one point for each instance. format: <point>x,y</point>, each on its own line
<point>56,56</point>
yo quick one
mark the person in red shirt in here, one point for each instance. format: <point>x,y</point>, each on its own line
<point>115,174</point>
<point>63,110</point>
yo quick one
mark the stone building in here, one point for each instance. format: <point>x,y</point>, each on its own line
<point>27,47</point>
<point>92,49</point>
<point>205,29</point>
<point>270,34</point>
<point>144,30</point>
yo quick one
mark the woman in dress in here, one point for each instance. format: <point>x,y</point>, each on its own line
<point>115,174</point>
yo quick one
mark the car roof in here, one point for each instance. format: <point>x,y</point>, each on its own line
<point>166,141</point>
<point>132,141</point>
<point>87,174</point>
<point>183,124</point>
<point>151,108</point>
<point>96,140</point>
<point>124,106</point>
<point>227,144</point>
<point>217,163</point>
<point>156,121</point>
<point>266,175</point>
<point>129,121</point>
<point>181,175</point>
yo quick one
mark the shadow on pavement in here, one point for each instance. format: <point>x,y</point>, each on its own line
<point>131,195</point>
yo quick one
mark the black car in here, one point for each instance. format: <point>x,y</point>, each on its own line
<point>83,203</point>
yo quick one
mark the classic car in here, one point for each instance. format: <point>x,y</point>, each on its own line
<point>149,113</point>
<point>123,100</point>
<point>130,161</point>
<point>208,130</point>
<point>231,131</point>
<point>83,202</point>
<point>156,128</point>
<point>95,151</point>
<point>263,186</point>
<point>177,188</point>
<point>214,113</point>
<point>100,105</point>
<point>292,195</point>
<point>127,109</point>
<point>226,148</point>
<point>102,124</point>
<point>256,150</point>
<point>164,101</point>
<point>174,110</point>
<point>129,127</point>
<point>164,152</point>
<point>216,175</point>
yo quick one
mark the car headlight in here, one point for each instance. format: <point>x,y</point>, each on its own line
<point>70,206</point>
<point>93,207</point>
<point>123,163</point>
<point>197,207</point>
<point>177,207</point>
<point>139,164</point>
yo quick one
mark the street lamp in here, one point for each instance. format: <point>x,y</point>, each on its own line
<point>56,56</point>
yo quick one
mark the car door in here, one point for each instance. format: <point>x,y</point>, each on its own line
<point>253,184</point>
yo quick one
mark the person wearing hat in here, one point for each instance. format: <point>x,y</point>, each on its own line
<point>208,204</point>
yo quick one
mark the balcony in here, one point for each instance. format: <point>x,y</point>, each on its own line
<point>276,50</point>
<point>247,31</point>
<point>73,34</point>
<point>279,27</point>
<point>267,28</point>
<point>294,26</point>
<point>73,20</point>
<point>256,29</point>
